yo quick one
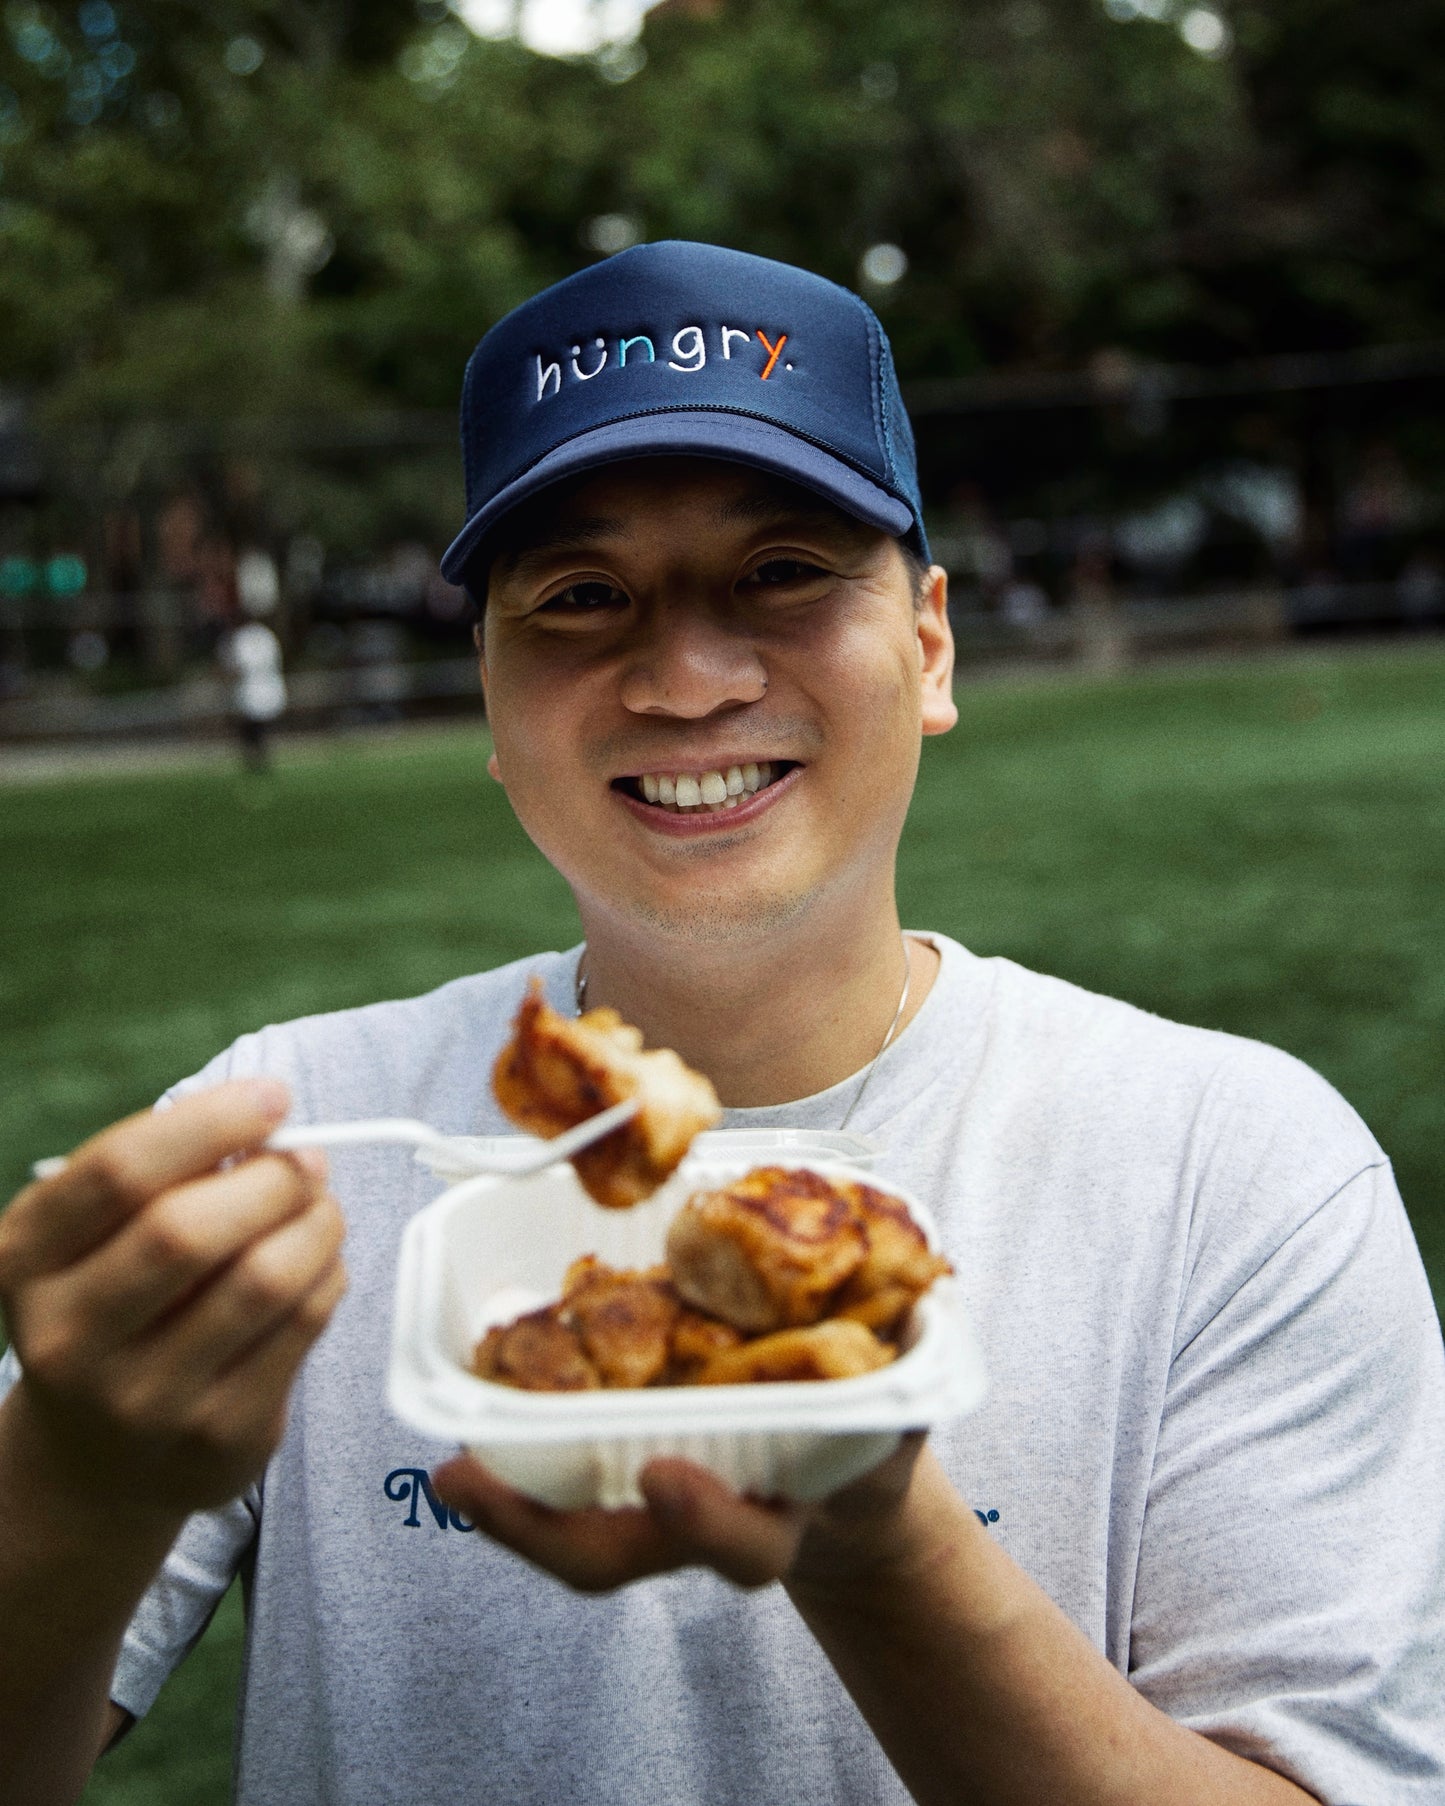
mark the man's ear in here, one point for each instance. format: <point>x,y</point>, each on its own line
<point>493,769</point>
<point>935,645</point>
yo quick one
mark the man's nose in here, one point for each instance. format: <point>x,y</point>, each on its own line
<point>689,663</point>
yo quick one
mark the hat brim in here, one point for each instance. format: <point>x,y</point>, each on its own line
<point>693,433</point>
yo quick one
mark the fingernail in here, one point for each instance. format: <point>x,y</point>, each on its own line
<point>270,1095</point>
<point>314,1161</point>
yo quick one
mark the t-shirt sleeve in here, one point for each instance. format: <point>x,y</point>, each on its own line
<point>179,1603</point>
<point>1290,1595</point>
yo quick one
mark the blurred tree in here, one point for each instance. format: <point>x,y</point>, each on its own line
<point>213,208</point>
<point>1035,164</point>
<point>1349,102</point>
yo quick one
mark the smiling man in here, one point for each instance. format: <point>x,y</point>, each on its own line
<point>707,691</point>
<point>1190,1549</point>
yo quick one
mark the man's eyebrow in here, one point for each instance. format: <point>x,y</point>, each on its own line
<point>571,533</point>
<point>568,534</point>
<point>755,505</point>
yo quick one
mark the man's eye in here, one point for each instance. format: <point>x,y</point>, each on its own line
<point>590,597</point>
<point>778,573</point>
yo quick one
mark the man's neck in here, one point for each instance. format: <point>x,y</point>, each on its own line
<point>770,1022</point>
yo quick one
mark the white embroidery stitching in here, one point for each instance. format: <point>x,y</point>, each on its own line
<point>585,376</point>
<point>693,359</point>
<point>689,348</point>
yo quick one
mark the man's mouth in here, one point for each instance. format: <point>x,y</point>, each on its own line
<point>703,792</point>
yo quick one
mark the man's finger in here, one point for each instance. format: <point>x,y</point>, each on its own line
<point>116,1173</point>
<point>258,1381</point>
<point>238,1420</point>
<point>184,1238</point>
<point>692,1519</point>
<point>592,1550</point>
<point>744,1540</point>
<point>249,1298</point>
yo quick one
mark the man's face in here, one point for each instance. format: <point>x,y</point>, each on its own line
<point>706,689</point>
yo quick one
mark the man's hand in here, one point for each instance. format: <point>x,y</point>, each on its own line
<point>161,1293</point>
<point>691,1519</point>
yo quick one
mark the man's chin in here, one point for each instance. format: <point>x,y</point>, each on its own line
<point>731,916</point>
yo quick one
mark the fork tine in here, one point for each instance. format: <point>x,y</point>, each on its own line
<point>563,1147</point>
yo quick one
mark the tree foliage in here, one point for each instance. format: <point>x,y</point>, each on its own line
<point>283,207</point>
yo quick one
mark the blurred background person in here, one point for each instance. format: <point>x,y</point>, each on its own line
<point>251,656</point>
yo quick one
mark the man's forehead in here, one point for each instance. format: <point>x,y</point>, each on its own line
<point>619,501</point>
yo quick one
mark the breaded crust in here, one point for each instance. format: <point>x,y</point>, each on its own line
<point>696,1338</point>
<point>624,1320</point>
<point>836,1350</point>
<point>611,1327</point>
<point>539,1352</point>
<point>767,1252</point>
<point>897,1270</point>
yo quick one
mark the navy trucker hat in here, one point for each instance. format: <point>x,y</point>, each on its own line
<point>688,350</point>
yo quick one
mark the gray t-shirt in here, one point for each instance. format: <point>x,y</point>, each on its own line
<point>1215,1435</point>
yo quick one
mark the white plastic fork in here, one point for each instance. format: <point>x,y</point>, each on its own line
<point>448,1156</point>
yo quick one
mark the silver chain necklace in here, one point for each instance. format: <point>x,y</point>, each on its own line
<point>579,994</point>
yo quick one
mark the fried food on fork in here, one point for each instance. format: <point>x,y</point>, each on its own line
<point>555,1073</point>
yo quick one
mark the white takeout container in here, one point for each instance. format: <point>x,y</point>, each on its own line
<point>490,1248</point>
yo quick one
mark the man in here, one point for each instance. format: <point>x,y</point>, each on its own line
<point>1190,1549</point>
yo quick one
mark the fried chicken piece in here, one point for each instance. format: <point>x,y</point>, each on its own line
<point>612,1328</point>
<point>897,1270</point>
<point>624,1320</point>
<point>539,1352</point>
<point>836,1350</point>
<point>768,1251</point>
<point>696,1338</point>
<point>554,1073</point>
<point>783,1275</point>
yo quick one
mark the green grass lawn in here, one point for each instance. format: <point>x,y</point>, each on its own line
<point>1255,846</point>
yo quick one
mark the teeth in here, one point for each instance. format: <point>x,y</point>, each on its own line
<point>711,789</point>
